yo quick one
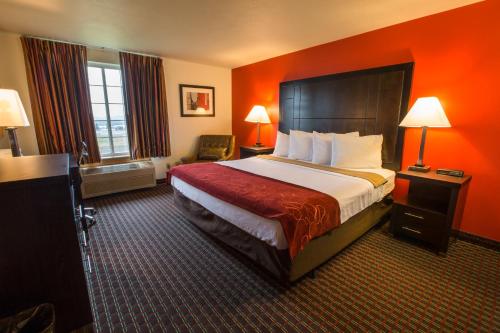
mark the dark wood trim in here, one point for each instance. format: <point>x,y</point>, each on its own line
<point>305,104</point>
<point>478,240</point>
<point>181,86</point>
<point>250,151</point>
<point>374,70</point>
<point>433,177</point>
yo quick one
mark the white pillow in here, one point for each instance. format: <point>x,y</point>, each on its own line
<point>300,145</point>
<point>357,152</point>
<point>322,146</point>
<point>282,145</point>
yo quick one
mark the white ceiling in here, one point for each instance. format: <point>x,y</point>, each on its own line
<point>228,33</point>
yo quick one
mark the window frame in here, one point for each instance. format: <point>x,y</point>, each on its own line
<point>106,103</point>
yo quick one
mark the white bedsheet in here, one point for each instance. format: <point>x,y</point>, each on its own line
<point>353,194</point>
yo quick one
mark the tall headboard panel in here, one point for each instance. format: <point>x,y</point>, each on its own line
<point>371,101</point>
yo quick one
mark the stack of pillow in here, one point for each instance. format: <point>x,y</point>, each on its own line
<point>338,150</point>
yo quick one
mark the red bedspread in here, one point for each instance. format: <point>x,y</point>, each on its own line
<point>303,213</point>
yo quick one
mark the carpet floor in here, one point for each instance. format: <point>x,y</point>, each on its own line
<point>154,272</point>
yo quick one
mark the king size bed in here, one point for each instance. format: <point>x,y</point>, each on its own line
<point>291,215</point>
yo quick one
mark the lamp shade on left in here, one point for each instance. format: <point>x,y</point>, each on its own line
<point>258,114</point>
<point>12,113</point>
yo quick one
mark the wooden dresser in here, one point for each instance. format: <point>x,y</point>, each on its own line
<point>40,251</point>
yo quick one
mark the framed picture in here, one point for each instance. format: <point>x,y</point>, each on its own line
<point>197,101</point>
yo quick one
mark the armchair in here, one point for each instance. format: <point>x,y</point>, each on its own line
<point>212,148</point>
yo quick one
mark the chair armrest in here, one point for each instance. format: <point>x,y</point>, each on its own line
<point>226,158</point>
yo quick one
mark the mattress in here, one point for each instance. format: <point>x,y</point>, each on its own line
<point>353,194</point>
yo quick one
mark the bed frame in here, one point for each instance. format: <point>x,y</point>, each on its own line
<point>371,101</point>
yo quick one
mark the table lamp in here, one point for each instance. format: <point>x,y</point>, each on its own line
<point>426,112</point>
<point>12,115</point>
<point>258,115</point>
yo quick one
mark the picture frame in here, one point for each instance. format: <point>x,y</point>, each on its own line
<point>197,101</point>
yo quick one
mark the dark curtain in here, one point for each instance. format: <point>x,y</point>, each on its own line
<point>146,105</point>
<point>60,97</point>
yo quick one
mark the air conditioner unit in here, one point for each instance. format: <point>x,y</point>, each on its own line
<point>107,179</point>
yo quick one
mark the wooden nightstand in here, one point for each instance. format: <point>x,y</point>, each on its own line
<point>432,208</point>
<point>249,151</point>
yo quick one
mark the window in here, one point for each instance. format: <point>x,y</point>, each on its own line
<point>106,95</point>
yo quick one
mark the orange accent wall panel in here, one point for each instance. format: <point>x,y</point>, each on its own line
<point>457,59</point>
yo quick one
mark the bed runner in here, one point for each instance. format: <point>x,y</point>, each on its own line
<point>374,178</point>
<point>302,212</point>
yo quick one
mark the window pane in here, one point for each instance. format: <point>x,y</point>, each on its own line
<point>97,94</point>
<point>101,128</point>
<point>115,95</point>
<point>118,128</point>
<point>99,111</point>
<point>108,111</point>
<point>104,146</point>
<point>95,76</point>
<point>121,145</point>
<point>116,112</point>
<point>113,77</point>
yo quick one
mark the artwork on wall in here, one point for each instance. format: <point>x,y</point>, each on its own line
<point>197,101</point>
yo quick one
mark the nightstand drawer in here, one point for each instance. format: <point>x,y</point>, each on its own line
<point>431,208</point>
<point>418,223</point>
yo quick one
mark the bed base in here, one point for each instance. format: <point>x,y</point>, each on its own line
<point>277,262</point>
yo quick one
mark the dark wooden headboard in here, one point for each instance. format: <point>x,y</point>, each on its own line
<point>371,101</point>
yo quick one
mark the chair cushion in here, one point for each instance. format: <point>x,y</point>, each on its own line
<point>212,153</point>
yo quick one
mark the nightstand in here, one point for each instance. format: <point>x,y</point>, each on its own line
<point>432,209</point>
<point>249,151</point>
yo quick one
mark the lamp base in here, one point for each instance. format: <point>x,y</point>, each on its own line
<point>419,168</point>
<point>14,145</point>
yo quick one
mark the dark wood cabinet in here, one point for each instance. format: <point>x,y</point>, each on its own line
<point>249,151</point>
<point>40,249</point>
<point>432,208</point>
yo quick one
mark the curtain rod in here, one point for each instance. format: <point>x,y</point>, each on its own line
<point>94,47</point>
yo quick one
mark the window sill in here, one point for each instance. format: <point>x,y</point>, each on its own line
<point>110,161</point>
<point>115,159</point>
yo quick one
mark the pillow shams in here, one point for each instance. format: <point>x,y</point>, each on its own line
<point>357,152</point>
<point>300,145</point>
<point>282,145</point>
<point>322,146</point>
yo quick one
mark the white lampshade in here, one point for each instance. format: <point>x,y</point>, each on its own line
<point>258,114</point>
<point>427,111</point>
<point>12,112</point>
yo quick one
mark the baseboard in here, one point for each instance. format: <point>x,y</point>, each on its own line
<point>161,181</point>
<point>485,242</point>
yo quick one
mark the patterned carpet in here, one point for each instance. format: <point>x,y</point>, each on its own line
<point>154,271</point>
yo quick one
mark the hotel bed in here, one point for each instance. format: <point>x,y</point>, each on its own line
<point>369,101</point>
<point>353,194</point>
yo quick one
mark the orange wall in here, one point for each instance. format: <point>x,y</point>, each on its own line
<point>457,58</point>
